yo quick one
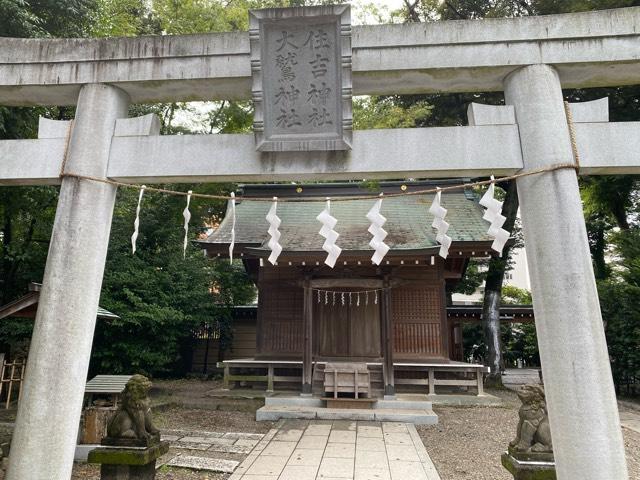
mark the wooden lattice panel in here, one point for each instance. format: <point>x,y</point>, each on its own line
<point>417,339</point>
<point>416,304</point>
<point>280,316</point>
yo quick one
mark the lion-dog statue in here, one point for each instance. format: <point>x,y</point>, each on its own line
<point>132,420</point>
<point>534,434</point>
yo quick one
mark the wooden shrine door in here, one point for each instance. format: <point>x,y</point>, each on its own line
<point>347,331</point>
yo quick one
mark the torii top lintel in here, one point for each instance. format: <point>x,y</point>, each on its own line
<point>588,49</point>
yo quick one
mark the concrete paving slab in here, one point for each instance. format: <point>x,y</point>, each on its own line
<point>298,472</point>
<point>394,427</point>
<point>342,436</point>
<point>365,459</point>
<point>369,431</point>
<point>204,463</point>
<point>630,420</point>
<point>370,444</point>
<point>267,465</point>
<point>396,453</point>
<point>402,453</point>
<point>279,449</point>
<point>292,435</point>
<point>372,474</point>
<point>344,425</point>
<point>340,450</point>
<point>397,439</point>
<point>407,470</point>
<point>313,441</point>
<point>336,468</point>
<point>308,457</point>
<point>318,429</point>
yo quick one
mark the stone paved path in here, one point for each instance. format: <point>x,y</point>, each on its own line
<point>630,420</point>
<point>330,450</point>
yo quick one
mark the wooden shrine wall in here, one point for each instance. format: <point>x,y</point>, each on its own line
<point>418,313</point>
<point>417,309</point>
<point>280,307</point>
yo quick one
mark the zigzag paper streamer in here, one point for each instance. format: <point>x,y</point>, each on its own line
<point>187,216</point>
<point>274,233</point>
<point>439,212</point>
<point>233,226</point>
<point>379,234</point>
<point>136,222</point>
<point>330,235</point>
<point>493,215</point>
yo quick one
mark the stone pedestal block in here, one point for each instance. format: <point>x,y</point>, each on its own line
<point>529,469</point>
<point>128,472</point>
<point>128,462</point>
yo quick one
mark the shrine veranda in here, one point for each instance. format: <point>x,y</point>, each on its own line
<point>530,59</point>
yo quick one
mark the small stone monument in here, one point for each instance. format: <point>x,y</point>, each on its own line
<point>132,445</point>
<point>530,455</point>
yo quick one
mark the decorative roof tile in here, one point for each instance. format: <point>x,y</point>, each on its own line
<point>408,220</point>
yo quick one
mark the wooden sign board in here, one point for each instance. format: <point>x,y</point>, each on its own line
<point>301,72</point>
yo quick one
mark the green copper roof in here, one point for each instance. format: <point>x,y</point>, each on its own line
<point>408,223</point>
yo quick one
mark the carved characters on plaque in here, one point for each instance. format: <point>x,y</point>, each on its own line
<point>301,68</point>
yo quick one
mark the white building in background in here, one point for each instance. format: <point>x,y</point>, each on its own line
<point>517,277</point>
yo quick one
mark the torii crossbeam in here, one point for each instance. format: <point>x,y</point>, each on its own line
<point>530,59</point>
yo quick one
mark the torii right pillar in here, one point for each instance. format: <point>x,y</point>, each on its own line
<point>583,412</point>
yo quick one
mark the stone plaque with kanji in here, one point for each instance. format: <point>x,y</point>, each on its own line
<point>301,69</point>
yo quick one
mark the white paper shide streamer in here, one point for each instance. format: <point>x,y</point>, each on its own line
<point>233,226</point>
<point>439,212</point>
<point>187,216</point>
<point>136,223</point>
<point>274,233</point>
<point>330,235</point>
<point>494,216</point>
<point>379,234</point>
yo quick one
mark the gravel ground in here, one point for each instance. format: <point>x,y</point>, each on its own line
<point>479,435</point>
<point>210,420</point>
<point>465,445</point>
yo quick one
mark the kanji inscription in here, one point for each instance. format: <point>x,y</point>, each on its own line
<point>301,65</point>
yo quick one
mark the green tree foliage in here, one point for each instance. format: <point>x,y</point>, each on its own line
<point>161,297</point>
<point>26,213</point>
<point>383,112</point>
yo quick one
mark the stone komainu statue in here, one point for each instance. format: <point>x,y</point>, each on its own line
<point>133,417</point>
<point>534,434</point>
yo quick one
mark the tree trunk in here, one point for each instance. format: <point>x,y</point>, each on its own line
<point>493,292</point>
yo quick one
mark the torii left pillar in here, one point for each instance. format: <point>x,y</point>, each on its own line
<point>46,427</point>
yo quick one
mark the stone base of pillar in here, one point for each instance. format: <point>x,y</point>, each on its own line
<point>529,469</point>
<point>389,391</point>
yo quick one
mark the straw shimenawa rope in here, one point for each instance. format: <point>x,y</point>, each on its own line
<point>549,168</point>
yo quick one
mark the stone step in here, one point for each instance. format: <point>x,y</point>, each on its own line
<point>277,412</point>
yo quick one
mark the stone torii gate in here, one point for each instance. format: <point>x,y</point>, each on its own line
<point>530,59</point>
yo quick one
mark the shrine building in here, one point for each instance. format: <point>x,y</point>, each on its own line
<point>391,317</point>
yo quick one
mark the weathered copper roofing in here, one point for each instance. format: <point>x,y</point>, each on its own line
<point>408,218</point>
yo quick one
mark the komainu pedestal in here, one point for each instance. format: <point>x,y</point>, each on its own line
<point>530,454</point>
<point>133,445</point>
